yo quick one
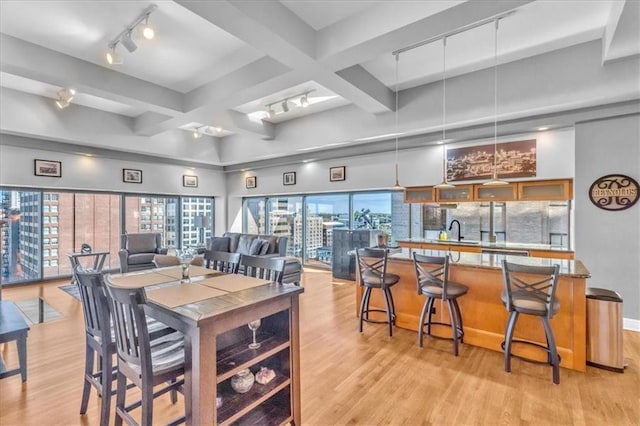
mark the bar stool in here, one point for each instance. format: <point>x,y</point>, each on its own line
<point>432,277</point>
<point>372,267</point>
<point>531,290</point>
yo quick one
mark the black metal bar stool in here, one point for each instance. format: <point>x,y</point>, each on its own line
<point>372,267</point>
<point>531,290</point>
<point>432,277</point>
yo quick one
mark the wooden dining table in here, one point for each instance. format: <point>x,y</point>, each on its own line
<point>213,304</point>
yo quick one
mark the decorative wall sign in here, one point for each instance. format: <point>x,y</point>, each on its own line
<point>251,182</point>
<point>289,178</point>
<point>132,176</point>
<point>614,192</point>
<point>47,168</point>
<point>336,173</point>
<point>515,159</point>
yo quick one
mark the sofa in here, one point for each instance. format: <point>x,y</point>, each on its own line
<point>258,245</point>
<point>138,249</point>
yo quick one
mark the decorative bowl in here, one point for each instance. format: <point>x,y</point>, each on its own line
<point>242,381</point>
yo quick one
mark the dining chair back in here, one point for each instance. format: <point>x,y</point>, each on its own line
<point>267,268</point>
<point>145,362</point>
<point>222,261</point>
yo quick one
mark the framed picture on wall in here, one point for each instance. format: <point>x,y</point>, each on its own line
<point>251,182</point>
<point>132,176</point>
<point>336,173</point>
<point>190,181</point>
<point>289,178</point>
<point>47,168</point>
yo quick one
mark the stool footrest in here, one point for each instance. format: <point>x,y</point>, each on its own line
<point>459,331</point>
<point>533,361</point>
<point>365,316</point>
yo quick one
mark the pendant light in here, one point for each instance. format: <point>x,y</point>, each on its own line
<point>494,180</point>
<point>444,184</point>
<point>397,185</point>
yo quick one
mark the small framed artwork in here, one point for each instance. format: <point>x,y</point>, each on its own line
<point>289,178</point>
<point>251,182</point>
<point>336,173</point>
<point>47,168</point>
<point>132,176</point>
<point>190,181</point>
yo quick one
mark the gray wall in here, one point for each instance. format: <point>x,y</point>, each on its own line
<point>608,242</point>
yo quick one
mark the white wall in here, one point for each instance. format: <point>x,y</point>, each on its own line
<point>608,242</point>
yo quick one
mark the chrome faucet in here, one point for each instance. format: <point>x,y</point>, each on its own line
<point>460,237</point>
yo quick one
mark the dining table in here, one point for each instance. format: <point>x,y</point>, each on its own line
<point>212,308</point>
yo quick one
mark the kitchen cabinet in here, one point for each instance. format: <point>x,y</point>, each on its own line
<point>507,192</point>
<point>559,189</point>
<point>456,194</point>
<point>419,194</point>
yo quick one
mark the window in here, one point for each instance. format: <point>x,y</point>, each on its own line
<point>324,213</point>
<point>285,219</point>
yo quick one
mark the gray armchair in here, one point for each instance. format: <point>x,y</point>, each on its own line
<point>137,251</point>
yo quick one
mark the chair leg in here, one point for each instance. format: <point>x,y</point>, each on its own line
<point>363,303</point>
<point>460,326</point>
<point>454,325</point>
<point>121,393</point>
<point>421,323</point>
<point>107,382</point>
<point>555,361</point>
<point>393,306</point>
<point>511,326</point>
<point>387,303</point>
<point>173,393</point>
<point>147,403</point>
<point>367,296</point>
<point>430,301</point>
<point>88,371</point>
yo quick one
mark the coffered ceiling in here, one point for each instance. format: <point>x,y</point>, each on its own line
<point>220,63</point>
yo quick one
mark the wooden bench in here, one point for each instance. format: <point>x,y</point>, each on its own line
<point>13,327</point>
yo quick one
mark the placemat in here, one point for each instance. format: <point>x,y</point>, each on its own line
<point>140,279</point>
<point>233,282</point>
<point>175,272</point>
<point>182,294</point>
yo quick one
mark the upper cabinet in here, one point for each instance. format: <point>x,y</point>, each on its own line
<point>456,194</point>
<point>507,192</point>
<point>560,189</point>
<point>541,190</point>
<point>419,194</point>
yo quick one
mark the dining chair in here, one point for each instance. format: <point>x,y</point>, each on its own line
<point>432,277</point>
<point>267,268</point>
<point>146,363</point>
<point>222,261</point>
<point>372,270</point>
<point>531,290</point>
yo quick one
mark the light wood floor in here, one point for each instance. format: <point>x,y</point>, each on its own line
<point>347,377</point>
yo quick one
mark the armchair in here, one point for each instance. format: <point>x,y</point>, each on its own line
<point>137,251</point>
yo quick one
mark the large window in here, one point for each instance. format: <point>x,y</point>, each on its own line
<point>43,226</point>
<point>309,220</point>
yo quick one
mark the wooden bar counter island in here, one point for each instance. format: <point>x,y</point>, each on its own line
<point>483,314</point>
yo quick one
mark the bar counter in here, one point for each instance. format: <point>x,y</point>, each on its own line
<point>483,313</point>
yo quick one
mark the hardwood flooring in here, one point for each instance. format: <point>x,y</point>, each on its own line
<point>347,378</point>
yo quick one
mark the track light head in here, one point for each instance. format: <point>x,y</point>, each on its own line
<point>285,105</point>
<point>113,58</point>
<point>128,42</point>
<point>196,133</point>
<point>304,101</point>
<point>147,31</point>
<point>269,112</point>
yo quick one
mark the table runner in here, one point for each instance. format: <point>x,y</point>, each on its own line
<point>233,282</point>
<point>182,294</point>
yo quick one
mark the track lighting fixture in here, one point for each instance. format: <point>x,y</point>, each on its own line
<point>125,37</point>
<point>64,98</point>
<point>197,132</point>
<point>301,100</point>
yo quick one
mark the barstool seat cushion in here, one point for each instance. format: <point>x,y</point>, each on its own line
<point>527,302</point>
<point>453,290</point>
<point>372,279</point>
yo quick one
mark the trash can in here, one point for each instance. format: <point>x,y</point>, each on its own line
<point>604,329</point>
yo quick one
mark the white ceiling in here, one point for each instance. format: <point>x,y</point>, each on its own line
<point>219,63</point>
